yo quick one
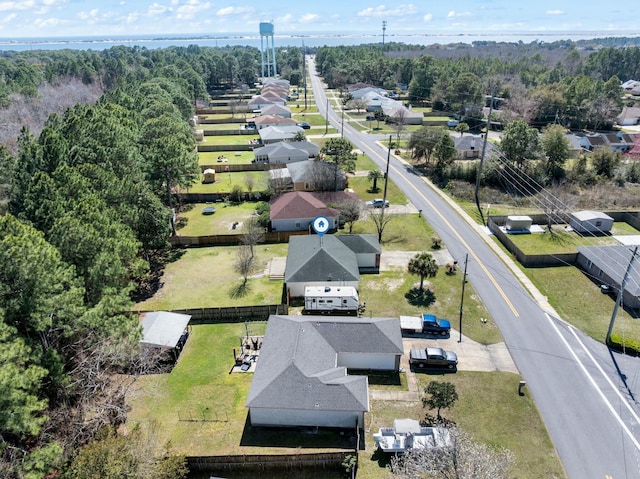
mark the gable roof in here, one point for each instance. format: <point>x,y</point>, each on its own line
<point>315,258</point>
<point>303,170</point>
<point>299,204</point>
<point>260,100</point>
<point>297,366</point>
<point>361,243</point>
<point>276,109</point>
<point>274,120</point>
<point>280,132</point>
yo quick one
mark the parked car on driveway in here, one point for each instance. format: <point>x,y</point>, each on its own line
<point>433,358</point>
<point>377,203</point>
<point>304,125</point>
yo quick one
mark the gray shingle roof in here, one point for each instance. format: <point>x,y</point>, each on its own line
<point>361,243</point>
<point>297,366</point>
<point>315,258</point>
<point>613,261</point>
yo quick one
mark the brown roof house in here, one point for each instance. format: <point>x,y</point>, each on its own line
<point>296,210</point>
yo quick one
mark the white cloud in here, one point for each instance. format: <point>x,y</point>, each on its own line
<point>555,12</point>
<point>191,9</point>
<point>453,14</point>
<point>48,22</point>
<point>428,17</point>
<point>234,11</point>
<point>383,11</point>
<point>5,6</point>
<point>157,9</point>
<point>9,18</point>
<point>288,18</point>
<point>308,18</point>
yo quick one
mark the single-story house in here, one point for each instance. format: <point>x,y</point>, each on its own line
<point>276,95</point>
<point>593,142</point>
<point>165,331</point>
<point>310,175</point>
<point>294,211</point>
<point>630,115</point>
<point>607,265</point>
<point>280,152</point>
<point>315,261</point>
<point>363,92</point>
<point>469,147</point>
<point>276,110</point>
<point>301,378</point>
<point>279,82</point>
<point>395,110</point>
<point>630,85</point>
<point>273,134</point>
<point>259,102</point>
<point>367,250</point>
<point>264,121</point>
<point>590,222</point>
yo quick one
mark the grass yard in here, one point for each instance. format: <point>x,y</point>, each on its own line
<point>228,140</point>
<point>362,186</point>
<point>226,181</point>
<point>578,300</point>
<point>489,409</point>
<point>199,408</point>
<point>233,157</point>
<point>314,119</point>
<point>389,295</point>
<point>560,242</point>
<point>193,223</point>
<point>205,277</point>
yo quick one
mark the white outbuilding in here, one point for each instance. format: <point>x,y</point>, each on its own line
<point>518,223</point>
<point>590,222</point>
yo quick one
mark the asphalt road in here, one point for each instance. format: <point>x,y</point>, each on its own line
<point>587,396</point>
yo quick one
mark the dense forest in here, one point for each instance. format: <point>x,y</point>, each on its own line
<point>94,145</point>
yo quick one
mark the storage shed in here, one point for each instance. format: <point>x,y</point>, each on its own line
<point>165,330</point>
<point>590,222</point>
<point>209,175</point>
<point>518,223</point>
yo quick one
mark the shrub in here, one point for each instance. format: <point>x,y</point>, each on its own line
<point>626,345</point>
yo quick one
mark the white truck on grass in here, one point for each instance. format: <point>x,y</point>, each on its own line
<point>331,300</point>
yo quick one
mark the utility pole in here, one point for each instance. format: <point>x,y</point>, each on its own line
<point>342,124</point>
<point>619,296</point>
<point>384,29</point>
<point>304,74</point>
<point>464,281</point>
<point>484,150</point>
<point>384,196</point>
<point>326,121</point>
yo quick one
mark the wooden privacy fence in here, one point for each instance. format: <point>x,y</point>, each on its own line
<point>232,239</point>
<point>214,148</point>
<point>231,314</point>
<point>261,462</point>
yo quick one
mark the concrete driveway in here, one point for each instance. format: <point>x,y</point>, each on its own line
<point>472,356</point>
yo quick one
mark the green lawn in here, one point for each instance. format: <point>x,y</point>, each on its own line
<point>489,409</point>
<point>205,277</point>
<point>193,223</point>
<point>579,301</point>
<point>388,295</point>
<point>559,242</point>
<point>229,140</point>
<point>199,407</point>
<point>233,157</point>
<point>226,181</point>
<point>362,187</point>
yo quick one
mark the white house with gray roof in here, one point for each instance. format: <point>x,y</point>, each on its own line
<point>301,378</point>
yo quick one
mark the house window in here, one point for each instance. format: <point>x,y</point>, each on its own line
<point>589,264</point>
<point>598,223</point>
<point>297,224</point>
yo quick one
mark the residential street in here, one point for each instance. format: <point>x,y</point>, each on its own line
<point>586,395</point>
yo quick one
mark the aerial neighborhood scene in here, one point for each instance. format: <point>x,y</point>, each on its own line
<point>248,241</point>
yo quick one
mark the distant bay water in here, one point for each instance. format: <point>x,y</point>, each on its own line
<point>309,40</point>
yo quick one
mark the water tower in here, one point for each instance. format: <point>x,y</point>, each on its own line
<point>268,52</point>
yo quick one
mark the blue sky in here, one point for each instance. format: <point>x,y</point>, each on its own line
<point>38,18</point>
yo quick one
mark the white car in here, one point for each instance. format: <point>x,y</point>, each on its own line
<point>377,203</point>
